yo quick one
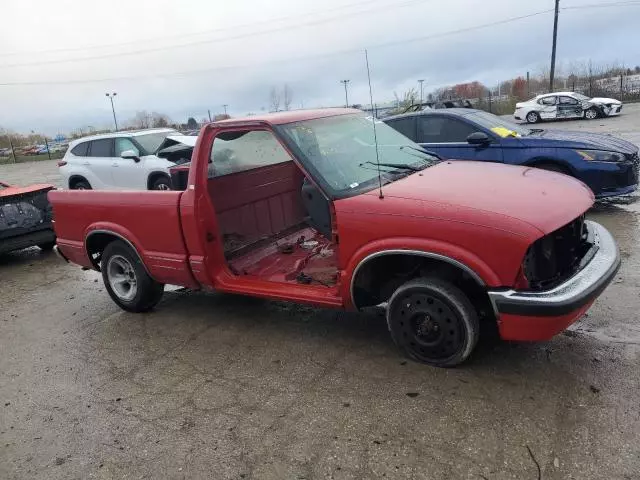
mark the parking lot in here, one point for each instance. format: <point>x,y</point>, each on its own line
<point>221,386</point>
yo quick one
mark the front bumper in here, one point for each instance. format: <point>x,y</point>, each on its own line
<point>572,295</point>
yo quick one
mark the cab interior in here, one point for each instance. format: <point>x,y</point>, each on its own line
<point>274,223</point>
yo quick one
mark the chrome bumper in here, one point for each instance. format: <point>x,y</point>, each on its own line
<point>583,287</point>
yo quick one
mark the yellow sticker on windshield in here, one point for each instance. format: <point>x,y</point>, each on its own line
<point>504,132</point>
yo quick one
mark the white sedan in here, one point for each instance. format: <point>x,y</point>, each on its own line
<point>554,106</point>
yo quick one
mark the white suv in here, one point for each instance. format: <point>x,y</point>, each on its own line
<point>117,161</point>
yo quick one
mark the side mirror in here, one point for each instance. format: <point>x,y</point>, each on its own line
<point>130,155</point>
<point>478,138</point>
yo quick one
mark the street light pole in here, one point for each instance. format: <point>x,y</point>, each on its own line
<point>346,95</point>
<point>111,96</point>
<point>421,82</point>
<point>225,108</point>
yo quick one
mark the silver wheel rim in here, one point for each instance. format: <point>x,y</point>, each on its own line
<point>162,186</point>
<point>122,277</point>
<point>531,118</point>
<point>590,114</point>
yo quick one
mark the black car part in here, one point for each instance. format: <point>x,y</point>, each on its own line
<point>25,220</point>
<point>553,258</point>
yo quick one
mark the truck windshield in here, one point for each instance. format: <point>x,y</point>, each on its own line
<point>342,151</point>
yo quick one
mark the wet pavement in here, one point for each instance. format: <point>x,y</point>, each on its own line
<point>223,386</point>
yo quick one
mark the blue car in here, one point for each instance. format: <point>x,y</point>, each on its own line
<point>608,165</point>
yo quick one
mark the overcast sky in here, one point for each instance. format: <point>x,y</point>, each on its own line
<point>59,57</point>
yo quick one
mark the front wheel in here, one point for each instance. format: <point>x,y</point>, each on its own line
<point>433,322</point>
<point>533,117</point>
<point>126,279</point>
<point>591,113</point>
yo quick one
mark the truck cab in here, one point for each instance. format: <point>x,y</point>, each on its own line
<point>335,209</point>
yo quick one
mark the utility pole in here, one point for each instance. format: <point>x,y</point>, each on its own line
<point>209,112</point>
<point>346,95</point>
<point>111,96</point>
<point>13,152</point>
<point>553,46</point>
<point>225,108</point>
<point>528,86</point>
<point>421,82</point>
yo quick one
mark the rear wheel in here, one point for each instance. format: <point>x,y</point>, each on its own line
<point>433,322</point>
<point>533,117</point>
<point>161,183</point>
<point>81,185</point>
<point>126,279</point>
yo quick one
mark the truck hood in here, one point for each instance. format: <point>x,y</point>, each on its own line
<point>574,139</point>
<point>502,196</point>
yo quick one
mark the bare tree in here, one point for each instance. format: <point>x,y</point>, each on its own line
<point>141,119</point>
<point>274,99</point>
<point>410,97</point>
<point>287,93</point>
<point>159,120</point>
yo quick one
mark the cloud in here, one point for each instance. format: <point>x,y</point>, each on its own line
<point>246,52</point>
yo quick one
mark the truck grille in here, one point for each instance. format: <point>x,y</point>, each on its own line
<point>555,257</point>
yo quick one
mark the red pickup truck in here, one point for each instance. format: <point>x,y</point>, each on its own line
<point>317,207</point>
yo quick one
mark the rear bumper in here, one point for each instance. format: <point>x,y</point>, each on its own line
<point>555,309</point>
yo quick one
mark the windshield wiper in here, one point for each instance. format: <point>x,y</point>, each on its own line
<point>400,166</point>
<point>417,149</point>
<point>423,151</point>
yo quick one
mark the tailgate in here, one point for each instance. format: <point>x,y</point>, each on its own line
<point>149,220</point>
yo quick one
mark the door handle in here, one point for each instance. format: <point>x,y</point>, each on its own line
<point>114,164</point>
<point>86,163</point>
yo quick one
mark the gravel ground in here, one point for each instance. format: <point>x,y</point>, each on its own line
<point>222,386</point>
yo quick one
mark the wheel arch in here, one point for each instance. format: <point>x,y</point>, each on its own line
<point>97,240</point>
<point>436,262</point>
<point>564,165</point>
<point>154,175</point>
<point>74,178</point>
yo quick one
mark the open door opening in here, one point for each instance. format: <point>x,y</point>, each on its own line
<point>275,225</point>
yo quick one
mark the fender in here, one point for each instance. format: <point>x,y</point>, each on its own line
<point>118,231</point>
<point>161,266</point>
<point>452,254</point>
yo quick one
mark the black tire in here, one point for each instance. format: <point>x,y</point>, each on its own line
<point>451,322</point>
<point>161,183</point>
<point>81,185</point>
<point>147,292</point>
<point>48,246</point>
<point>591,113</point>
<point>532,117</point>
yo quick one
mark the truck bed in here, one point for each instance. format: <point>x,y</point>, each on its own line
<point>149,220</point>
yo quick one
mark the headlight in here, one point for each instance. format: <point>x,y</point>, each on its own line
<point>600,156</point>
